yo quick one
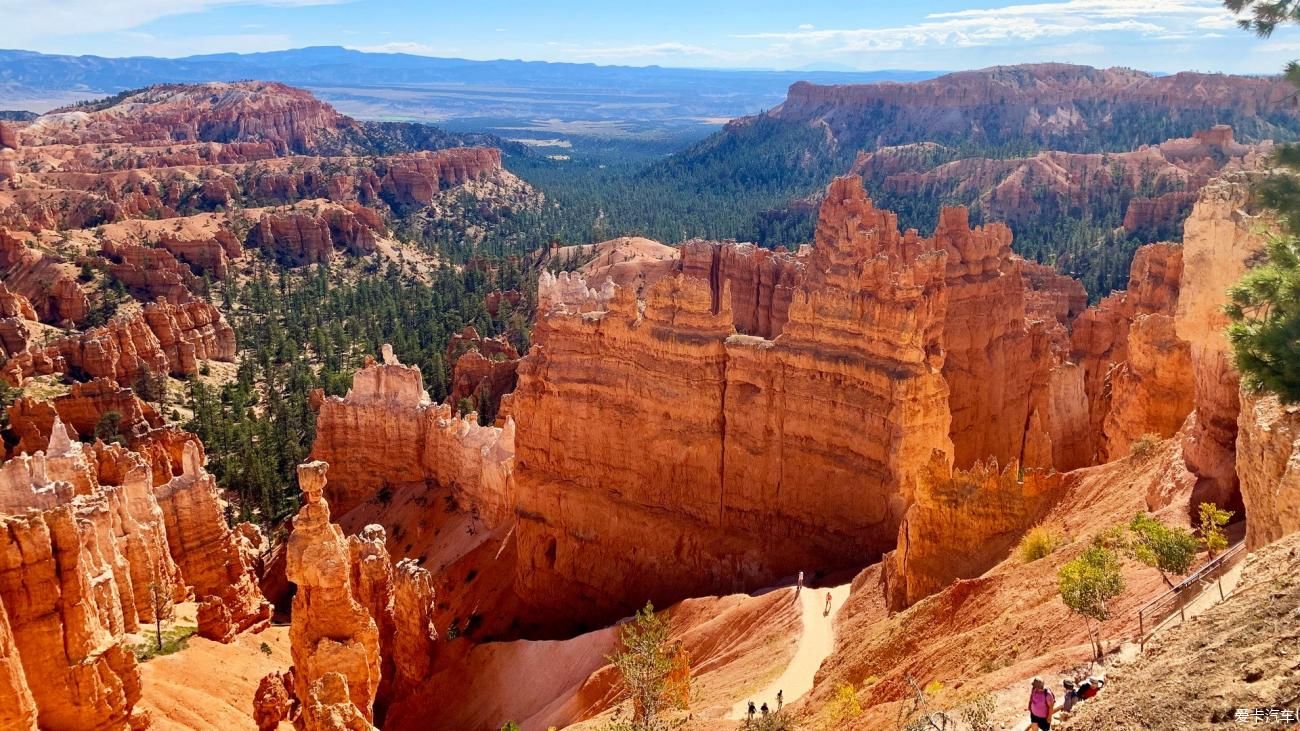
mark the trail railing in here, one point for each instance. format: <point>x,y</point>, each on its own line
<point>1158,611</point>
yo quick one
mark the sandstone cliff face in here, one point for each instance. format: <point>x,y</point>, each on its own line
<point>83,544</point>
<point>1134,381</point>
<point>387,432</point>
<point>149,273</point>
<point>208,552</point>
<point>163,338</point>
<point>1219,238</point>
<point>484,371</point>
<point>332,633</point>
<point>962,524</point>
<point>205,256</point>
<point>17,707</point>
<point>81,411</point>
<point>49,286</point>
<point>751,451</point>
<point>299,237</point>
<point>1268,465</point>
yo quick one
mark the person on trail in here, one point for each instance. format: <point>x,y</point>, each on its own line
<point>798,587</point>
<point>751,710</point>
<point>1042,704</point>
<point>827,612</point>
<point>764,709</point>
<point>780,699</point>
<point>1071,697</point>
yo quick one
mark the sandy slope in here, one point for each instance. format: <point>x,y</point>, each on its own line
<point>816,640</point>
<point>209,685</point>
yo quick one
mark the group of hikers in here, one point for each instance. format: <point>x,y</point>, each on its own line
<point>798,589</point>
<point>1042,702</point>
<point>780,702</point>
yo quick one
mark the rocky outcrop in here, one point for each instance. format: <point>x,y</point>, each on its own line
<point>205,256</point>
<point>275,701</point>
<point>149,273</point>
<point>754,457</point>
<point>301,237</point>
<point>387,433</point>
<point>331,633</point>
<point>15,312</point>
<point>161,339</point>
<point>84,560</point>
<point>17,707</point>
<point>1220,237</point>
<point>484,370</point>
<point>1268,465</point>
<point>50,286</point>
<point>414,179</point>
<point>208,552</point>
<point>81,410</point>
<point>962,524</point>
<point>1100,344</point>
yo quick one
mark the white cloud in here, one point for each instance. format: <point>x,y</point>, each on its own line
<point>806,26</point>
<point>25,20</point>
<point>668,49</point>
<point>1021,23</point>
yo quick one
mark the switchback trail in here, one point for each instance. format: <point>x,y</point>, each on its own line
<point>816,641</point>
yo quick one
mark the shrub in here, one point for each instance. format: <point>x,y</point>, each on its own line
<point>1213,519</point>
<point>173,640</point>
<point>1041,541</point>
<point>845,706</point>
<point>1144,446</point>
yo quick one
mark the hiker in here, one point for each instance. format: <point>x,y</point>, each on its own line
<point>764,709</point>
<point>780,699</point>
<point>798,587</point>
<point>751,710</point>
<point>1071,696</point>
<point>1042,704</point>
<point>827,611</point>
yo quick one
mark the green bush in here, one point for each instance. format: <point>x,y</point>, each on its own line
<point>1041,541</point>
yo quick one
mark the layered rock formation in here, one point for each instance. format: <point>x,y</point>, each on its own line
<point>962,524</point>
<point>1268,465</point>
<point>484,370</point>
<point>149,273</point>
<point>332,633</point>
<point>1220,237</point>
<point>751,451</point>
<point>17,707</point>
<point>49,286</point>
<point>205,256</point>
<point>161,339</point>
<point>208,552</point>
<point>387,433</point>
<point>300,237</point>
<point>81,410</point>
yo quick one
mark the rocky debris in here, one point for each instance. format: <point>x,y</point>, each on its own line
<point>1268,465</point>
<point>331,633</point>
<point>81,410</point>
<point>1220,236</point>
<point>161,339</point>
<point>208,552</point>
<point>150,273</point>
<point>49,285</point>
<point>387,433</point>
<point>275,701</point>
<point>484,370</point>
<point>205,256</point>
<point>962,524</point>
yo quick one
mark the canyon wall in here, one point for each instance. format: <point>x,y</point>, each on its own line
<point>1268,465</point>
<point>387,433</point>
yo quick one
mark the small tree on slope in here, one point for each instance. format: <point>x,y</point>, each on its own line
<point>655,673</point>
<point>1087,585</point>
<point>1168,550</point>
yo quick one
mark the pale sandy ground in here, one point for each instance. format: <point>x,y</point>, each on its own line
<point>816,640</point>
<point>210,686</point>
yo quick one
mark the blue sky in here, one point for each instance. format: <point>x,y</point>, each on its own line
<point>1158,35</point>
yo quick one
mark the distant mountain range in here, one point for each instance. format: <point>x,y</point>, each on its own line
<point>540,97</point>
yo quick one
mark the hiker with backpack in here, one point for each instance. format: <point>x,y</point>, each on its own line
<point>1042,705</point>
